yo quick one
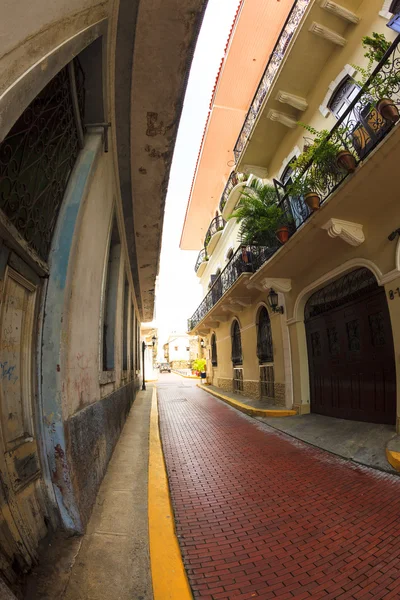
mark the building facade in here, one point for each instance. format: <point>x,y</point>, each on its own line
<point>79,247</point>
<point>311,322</point>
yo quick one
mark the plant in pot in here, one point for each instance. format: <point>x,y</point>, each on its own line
<point>261,219</point>
<point>386,83</point>
<point>306,185</point>
<point>327,149</point>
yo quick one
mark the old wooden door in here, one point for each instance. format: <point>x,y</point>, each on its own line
<point>23,514</point>
<point>351,356</point>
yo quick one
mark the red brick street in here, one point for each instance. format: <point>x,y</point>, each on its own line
<point>261,515</point>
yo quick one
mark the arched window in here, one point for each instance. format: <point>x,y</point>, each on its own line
<point>237,358</point>
<point>343,96</point>
<point>214,358</point>
<point>265,352</point>
<point>364,124</point>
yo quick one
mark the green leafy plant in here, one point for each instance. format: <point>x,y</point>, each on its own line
<point>382,84</point>
<point>259,215</point>
<point>314,165</point>
<point>199,364</point>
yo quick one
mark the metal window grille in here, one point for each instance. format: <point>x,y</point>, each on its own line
<point>237,357</point>
<point>238,380</point>
<point>346,289</point>
<point>267,382</point>
<point>265,350</point>
<point>37,157</point>
<point>214,357</point>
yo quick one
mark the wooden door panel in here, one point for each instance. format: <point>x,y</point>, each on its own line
<point>23,514</point>
<point>351,348</point>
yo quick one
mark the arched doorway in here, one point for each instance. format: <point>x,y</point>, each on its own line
<point>350,350</point>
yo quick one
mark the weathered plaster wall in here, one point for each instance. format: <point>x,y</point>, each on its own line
<point>92,434</point>
<point>29,31</point>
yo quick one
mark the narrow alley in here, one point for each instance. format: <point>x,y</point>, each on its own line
<point>260,515</point>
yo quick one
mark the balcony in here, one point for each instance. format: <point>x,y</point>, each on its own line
<point>363,126</point>
<point>239,264</point>
<point>232,192</point>
<point>360,131</point>
<point>213,234</point>
<point>271,70</point>
<point>201,262</point>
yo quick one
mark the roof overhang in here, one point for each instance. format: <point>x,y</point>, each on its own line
<point>154,49</point>
<point>255,32</point>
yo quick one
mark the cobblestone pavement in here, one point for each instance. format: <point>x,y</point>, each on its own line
<point>260,515</point>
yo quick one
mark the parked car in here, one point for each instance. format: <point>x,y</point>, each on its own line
<point>165,368</point>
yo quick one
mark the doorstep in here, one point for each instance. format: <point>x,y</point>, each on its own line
<point>370,444</point>
<point>253,408</point>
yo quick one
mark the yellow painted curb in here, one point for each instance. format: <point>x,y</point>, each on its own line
<point>393,458</point>
<point>187,376</point>
<point>249,410</point>
<point>167,570</point>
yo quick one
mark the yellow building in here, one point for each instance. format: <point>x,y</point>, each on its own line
<point>312,322</point>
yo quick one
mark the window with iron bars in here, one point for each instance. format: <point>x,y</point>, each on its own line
<point>237,358</point>
<point>37,157</point>
<point>238,380</point>
<point>214,357</point>
<point>265,352</point>
<point>267,381</point>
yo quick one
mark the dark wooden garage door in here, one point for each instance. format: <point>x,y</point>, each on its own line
<point>350,350</point>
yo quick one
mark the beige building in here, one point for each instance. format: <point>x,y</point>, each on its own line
<point>312,322</point>
<point>86,141</point>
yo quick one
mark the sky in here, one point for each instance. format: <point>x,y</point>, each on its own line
<point>178,291</point>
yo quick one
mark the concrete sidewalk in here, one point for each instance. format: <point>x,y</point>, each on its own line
<point>364,443</point>
<point>111,561</point>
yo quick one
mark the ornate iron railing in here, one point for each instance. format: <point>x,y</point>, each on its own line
<point>241,262</point>
<point>234,179</point>
<point>292,22</point>
<point>37,157</point>
<point>202,257</point>
<point>217,224</point>
<point>359,131</point>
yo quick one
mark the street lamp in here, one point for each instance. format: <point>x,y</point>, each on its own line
<point>273,302</point>
<point>202,344</point>
<point>144,346</point>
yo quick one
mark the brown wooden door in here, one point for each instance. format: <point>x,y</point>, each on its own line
<point>351,361</point>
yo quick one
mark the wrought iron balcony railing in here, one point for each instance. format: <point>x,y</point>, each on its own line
<point>241,262</point>
<point>234,179</point>
<point>359,130</point>
<point>202,257</point>
<point>271,69</point>
<point>217,224</point>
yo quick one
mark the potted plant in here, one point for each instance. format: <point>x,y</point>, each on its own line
<point>306,185</point>
<point>328,148</point>
<point>261,218</point>
<point>385,83</point>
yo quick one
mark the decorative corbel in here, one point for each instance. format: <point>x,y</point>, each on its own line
<point>292,100</point>
<point>351,233</point>
<point>340,11</point>
<point>280,284</point>
<point>327,34</point>
<point>283,118</point>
